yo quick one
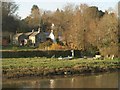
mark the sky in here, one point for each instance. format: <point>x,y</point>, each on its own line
<point>26,5</point>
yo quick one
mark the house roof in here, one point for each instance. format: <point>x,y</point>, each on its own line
<point>34,34</point>
<point>47,33</point>
<point>18,34</point>
<point>28,33</point>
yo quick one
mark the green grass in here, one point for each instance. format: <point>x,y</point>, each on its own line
<point>13,66</point>
<point>52,63</point>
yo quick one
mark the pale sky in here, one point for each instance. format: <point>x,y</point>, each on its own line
<point>26,5</point>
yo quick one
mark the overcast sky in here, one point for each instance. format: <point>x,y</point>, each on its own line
<point>26,5</point>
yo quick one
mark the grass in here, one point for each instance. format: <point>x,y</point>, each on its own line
<point>20,67</point>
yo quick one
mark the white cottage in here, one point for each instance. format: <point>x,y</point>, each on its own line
<point>52,37</point>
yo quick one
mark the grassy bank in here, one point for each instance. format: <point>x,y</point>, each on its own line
<point>23,67</point>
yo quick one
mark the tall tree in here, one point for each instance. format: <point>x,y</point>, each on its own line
<point>107,34</point>
<point>9,20</point>
<point>9,8</point>
<point>35,17</point>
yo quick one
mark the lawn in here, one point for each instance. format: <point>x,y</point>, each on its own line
<point>19,67</point>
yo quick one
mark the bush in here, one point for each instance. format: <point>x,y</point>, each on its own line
<point>45,45</point>
<point>56,46</point>
<point>39,53</point>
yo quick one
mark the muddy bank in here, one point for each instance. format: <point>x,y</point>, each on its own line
<point>55,72</point>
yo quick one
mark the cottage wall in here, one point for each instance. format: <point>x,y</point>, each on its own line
<point>32,38</point>
<point>17,39</point>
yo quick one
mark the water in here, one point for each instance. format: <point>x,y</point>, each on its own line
<point>106,80</point>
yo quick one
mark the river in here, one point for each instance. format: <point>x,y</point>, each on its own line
<point>103,80</point>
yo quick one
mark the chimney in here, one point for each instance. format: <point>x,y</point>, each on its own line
<point>38,30</point>
<point>51,31</point>
<point>32,30</point>
<point>52,26</point>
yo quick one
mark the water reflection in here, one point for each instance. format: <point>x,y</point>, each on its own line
<point>107,80</point>
<point>52,83</point>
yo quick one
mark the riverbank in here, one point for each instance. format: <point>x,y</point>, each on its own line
<point>44,67</point>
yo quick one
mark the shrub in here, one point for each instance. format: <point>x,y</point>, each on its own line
<point>45,45</point>
<point>39,53</point>
<point>56,46</point>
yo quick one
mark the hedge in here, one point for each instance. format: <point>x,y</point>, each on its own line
<point>39,53</point>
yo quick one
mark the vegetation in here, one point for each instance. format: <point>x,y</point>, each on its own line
<point>10,21</point>
<point>15,48</point>
<point>82,27</point>
<point>45,45</point>
<point>56,46</point>
<point>23,67</point>
<point>25,53</point>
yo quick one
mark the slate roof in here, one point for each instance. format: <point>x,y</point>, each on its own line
<point>47,34</point>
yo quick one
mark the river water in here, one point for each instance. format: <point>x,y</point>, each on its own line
<point>104,80</point>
